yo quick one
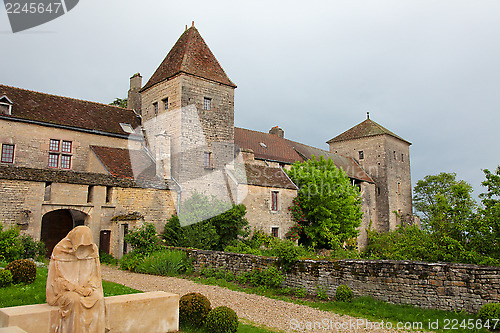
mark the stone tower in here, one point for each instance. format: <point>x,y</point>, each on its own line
<point>188,115</point>
<point>386,158</point>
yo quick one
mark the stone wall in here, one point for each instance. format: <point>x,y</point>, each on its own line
<point>428,285</point>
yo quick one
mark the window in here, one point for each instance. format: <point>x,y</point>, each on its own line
<point>274,201</point>
<point>361,155</point>
<point>60,154</point>
<point>90,194</point>
<point>109,194</point>
<point>207,103</point>
<point>275,231</point>
<point>207,160</point>
<point>7,153</point>
<point>394,154</point>
<point>53,160</point>
<point>125,233</point>
<point>378,190</point>
<point>5,105</point>
<point>165,104</point>
<point>402,157</point>
<point>127,128</point>
<point>155,106</point>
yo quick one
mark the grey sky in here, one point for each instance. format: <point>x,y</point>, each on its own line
<point>427,70</point>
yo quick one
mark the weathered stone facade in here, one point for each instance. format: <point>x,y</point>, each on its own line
<point>446,286</point>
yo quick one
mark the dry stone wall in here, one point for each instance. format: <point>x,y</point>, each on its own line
<point>428,285</point>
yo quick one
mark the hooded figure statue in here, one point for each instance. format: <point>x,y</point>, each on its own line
<point>74,284</point>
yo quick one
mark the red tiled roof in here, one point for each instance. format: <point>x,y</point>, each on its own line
<point>190,55</point>
<point>266,146</point>
<point>37,106</point>
<point>365,129</point>
<point>278,149</point>
<point>262,175</point>
<point>122,163</point>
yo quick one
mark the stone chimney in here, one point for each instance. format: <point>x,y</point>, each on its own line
<point>134,97</point>
<point>277,131</point>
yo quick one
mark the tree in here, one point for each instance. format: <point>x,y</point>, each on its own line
<point>119,102</point>
<point>487,235</point>
<point>328,206</point>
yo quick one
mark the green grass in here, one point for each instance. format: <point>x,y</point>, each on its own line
<point>34,293</point>
<point>242,328</point>
<point>363,307</point>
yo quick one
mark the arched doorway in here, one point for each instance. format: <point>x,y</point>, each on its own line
<point>57,224</point>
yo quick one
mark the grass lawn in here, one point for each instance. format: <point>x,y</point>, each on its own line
<point>367,307</point>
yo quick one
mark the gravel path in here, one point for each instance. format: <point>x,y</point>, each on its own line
<point>258,310</point>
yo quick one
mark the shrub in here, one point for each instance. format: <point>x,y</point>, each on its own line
<point>11,247</point>
<point>144,239</point>
<point>286,251</point>
<point>130,261</point>
<point>23,271</point>
<point>207,271</point>
<point>344,293</point>
<point>106,258</point>
<point>193,309</point>
<point>32,248</point>
<point>489,311</point>
<point>300,292</point>
<point>5,278</point>
<point>222,320</point>
<point>321,293</point>
<point>167,263</point>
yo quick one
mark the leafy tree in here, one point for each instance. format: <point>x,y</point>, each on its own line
<point>144,239</point>
<point>328,206</point>
<point>119,102</point>
<point>487,235</point>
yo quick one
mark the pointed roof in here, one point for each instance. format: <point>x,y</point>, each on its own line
<point>190,55</point>
<point>365,129</point>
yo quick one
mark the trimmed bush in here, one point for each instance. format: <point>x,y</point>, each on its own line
<point>344,293</point>
<point>23,271</point>
<point>5,278</point>
<point>222,320</point>
<point>193,309</point>
<point>489,311</point>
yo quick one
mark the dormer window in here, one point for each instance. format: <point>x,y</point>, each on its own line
<point>5,105</point>
<point>127,128</point>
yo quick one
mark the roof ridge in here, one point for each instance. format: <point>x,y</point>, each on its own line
<point>66,97</point>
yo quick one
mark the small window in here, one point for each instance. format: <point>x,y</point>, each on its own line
<point>109,194</point>
<point>7,153</point>
<point>155,107</point>
<point>207,160</point>
<point>48,191</point>
<point>125,233</point>
<point>90,194</point>
<point>65,161</point>
<point>5,105</point>
<point>262,144</point>
<point>361,155</point>
<point>165,104</point>
<point>402,157</point>
<point>54,145</point>
<point>207,103</point>
<point>53,160</point>
<point>274,201</point>
<point>127,128</point>
<point>399,188</point>
<point>394,154</point>
<point>66,147</point>
<point>378,190</point>
<point>275,232</point>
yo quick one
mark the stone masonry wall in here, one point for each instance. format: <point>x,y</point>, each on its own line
<point>428,285</point>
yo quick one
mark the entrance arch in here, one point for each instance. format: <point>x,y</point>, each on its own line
<point>56,225</point>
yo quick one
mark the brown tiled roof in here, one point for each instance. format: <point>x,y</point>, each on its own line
<point>285,151</point>
<point>266,146</point>
<point>262,175</point>
<point>123,162</point>
<point>365,129</point>
<point>190,55</point>
<point>348,164</point>
<point>65,111</point>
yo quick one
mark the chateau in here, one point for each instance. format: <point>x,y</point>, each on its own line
<point>68,162</point>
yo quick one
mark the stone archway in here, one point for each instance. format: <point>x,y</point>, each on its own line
<point>56,225</point>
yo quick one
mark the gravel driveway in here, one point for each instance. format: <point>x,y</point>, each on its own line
<point>258,310</point>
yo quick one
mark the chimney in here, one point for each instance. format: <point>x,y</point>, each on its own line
<point>277,131</point>
<point>134,97</point>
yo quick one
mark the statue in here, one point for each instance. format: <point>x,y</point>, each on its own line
<point>74,284</point>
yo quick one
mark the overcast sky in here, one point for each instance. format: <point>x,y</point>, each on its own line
<point>427,70</point>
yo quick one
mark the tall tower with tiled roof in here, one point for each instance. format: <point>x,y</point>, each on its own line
<point>386,158</point>
<point>188,109</point>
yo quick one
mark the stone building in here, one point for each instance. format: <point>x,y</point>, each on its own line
<point>67,162</point>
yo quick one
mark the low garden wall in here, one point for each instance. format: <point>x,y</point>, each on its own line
<point>428,285</point>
